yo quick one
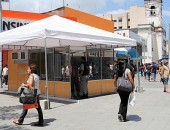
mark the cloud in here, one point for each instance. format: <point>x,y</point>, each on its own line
<point>166,13</point>
<point>89,6</point>
<point>119,11</point>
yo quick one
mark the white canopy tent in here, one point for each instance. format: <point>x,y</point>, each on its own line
<point>60,31</point>
<point>57,31</point>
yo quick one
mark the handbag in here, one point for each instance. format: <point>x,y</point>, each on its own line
<point>124,84</point>
<point>27,96</point>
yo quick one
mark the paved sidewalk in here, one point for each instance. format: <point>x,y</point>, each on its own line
<point>151,112</point>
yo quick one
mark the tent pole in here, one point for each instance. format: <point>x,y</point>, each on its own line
<point>46,74</point>
<point>101,66</point>
<point>70,67</point>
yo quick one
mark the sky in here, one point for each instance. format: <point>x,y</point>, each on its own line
<point>94,7</point>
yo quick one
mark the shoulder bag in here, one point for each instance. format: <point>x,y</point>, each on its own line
<point>27,96</point>
<point>124,84</point>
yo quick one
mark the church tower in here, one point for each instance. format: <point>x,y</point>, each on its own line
<point>153,12</point>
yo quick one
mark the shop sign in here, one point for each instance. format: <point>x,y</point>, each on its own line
<point>9,23</point>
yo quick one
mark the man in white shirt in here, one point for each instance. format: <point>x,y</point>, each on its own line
<point>5,74</point>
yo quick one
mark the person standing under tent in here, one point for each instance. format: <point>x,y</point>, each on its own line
<point>83,77</point>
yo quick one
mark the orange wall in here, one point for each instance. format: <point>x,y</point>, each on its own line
<point>89,19</point>
<point>23,15</point>
<point>4,57</point>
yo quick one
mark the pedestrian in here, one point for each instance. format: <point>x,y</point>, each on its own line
<point>142,69</point>
<point>62,73</point>
<point>5,74</point>
<point>83,77</point>
<point>145,70</point>
<point>165,75</point>
<point>75,85</point>
<point>160,71</point>
<point>132,67</point>
<point>124,95</point>
<point>90,71</point>
<point>31,83</point>
<point>154,71</point>
<point>149,70</point>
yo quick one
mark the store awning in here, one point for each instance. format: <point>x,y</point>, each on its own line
<point>133,53</point>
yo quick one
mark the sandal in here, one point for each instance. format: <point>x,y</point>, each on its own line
<point>17,122</point>
<point>166,91</point>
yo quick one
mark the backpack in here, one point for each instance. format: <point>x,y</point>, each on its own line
<point>86,69</point>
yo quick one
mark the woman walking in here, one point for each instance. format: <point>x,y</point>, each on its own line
<point>165,75</point>
<point>31,83</point>
<point>124,95</point>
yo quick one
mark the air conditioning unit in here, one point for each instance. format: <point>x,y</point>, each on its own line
<point>20,57</point>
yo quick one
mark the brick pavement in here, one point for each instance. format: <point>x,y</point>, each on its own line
<point>151,112</point>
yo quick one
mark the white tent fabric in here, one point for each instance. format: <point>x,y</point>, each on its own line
<point>59,31</point>
<point>121,49</point>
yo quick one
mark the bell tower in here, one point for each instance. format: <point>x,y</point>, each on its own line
<point>153,11</point>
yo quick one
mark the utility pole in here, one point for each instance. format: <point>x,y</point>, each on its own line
<point>0,32</point>
<point>63,3</point>
<point>0,15</point>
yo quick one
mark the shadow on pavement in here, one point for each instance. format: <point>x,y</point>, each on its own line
<point>134,118</point>
<point>8,113</point>
<point>46,122</point>
<point>12,127</point>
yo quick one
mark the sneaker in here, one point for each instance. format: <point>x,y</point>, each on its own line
<point>125,120</point>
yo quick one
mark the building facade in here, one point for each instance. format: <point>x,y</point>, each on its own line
<point>146,21</point>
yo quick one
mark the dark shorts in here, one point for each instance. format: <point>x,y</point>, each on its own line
<point>165,81</point>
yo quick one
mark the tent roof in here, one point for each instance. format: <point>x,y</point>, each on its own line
<point>121,49</point>
<point>58,31</point>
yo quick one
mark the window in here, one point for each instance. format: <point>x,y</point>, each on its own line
<point>115,28</point>
<point>120,19</point>
<point>152,7</point>
<point>128,19</point>
<point>120,27</point>
<point>128,26</point>
<point>114,20</point>
<point>22,55</point>
<point>14,55</point>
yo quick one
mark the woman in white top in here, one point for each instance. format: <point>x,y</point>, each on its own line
<point>124,96</point>
<point>31,83</point>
